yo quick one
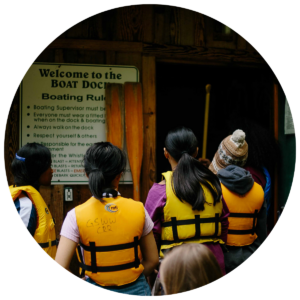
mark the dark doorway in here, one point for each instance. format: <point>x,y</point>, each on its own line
<point>236,94</point>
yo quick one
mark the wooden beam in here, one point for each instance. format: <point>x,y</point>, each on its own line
<point>163,51</point>
<point>149,111</point>
<point>205,62</point>
<point>210,54</point>
<point>96,45</point>
<point>110,57</point>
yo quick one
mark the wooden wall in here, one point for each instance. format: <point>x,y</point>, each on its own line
<point>138,36</point>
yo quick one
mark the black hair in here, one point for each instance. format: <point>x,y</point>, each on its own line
<point>37,161</point>
<point>102,163</point>
<point>263,148</point>
<point>181,143</point>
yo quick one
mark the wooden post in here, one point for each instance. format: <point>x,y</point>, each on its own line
<point>149,110</point>
<point>114,107</point>
<point>206,114</point>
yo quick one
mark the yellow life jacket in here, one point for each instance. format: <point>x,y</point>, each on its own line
<point>243,215</point>
<point>45,229</point>
<point>182,224</point>
<point>109,235</point>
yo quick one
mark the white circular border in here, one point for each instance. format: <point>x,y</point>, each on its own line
<point>27,27</point>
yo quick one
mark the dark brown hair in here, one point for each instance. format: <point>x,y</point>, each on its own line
<point>102,163</point>
<point>181,143</point>
<point>188,267</point>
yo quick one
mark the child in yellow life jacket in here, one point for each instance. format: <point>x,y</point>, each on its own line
<point>117,247</point>
<point>31,168</point>
<point>186,207</point>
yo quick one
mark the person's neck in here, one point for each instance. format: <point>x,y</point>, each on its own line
<point>173,164</point>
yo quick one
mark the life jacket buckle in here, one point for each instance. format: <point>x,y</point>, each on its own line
<point>52,225</point>
<point>49,242</point>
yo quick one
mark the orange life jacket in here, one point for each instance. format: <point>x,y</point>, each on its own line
<point>110,232</point>
<point>243,215</point>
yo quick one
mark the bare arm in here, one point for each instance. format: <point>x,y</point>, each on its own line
<point>149,252</point>
<point>65,251</point>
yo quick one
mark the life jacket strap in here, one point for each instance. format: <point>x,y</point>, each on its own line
<point>81,275</point>
<point>174,229</point>
<point>93,249</point>
<point>217,220</point>
<point>49,244</point>
<point>244,215</point>
<point>166,242</point>
<point>174,223</point>
<point>107,268</point>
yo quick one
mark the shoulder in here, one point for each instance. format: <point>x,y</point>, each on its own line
<point>258,188</point>
<point>27,212</point>
<point>88,203</point>
<point>156,197</point>
<point>158,190</point>
<point>70,228</point>
<point>158,187</point>
<point>130,203</point>
<point>24,203</point>
<point>257,175</point>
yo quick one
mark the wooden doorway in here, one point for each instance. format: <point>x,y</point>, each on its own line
<point>237,93</point>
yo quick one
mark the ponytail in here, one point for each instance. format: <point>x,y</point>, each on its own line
<point>190,174</point>
<point>102,163</point>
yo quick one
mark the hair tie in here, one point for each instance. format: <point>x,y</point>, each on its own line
<point>19,157</point>
<point>184,152</point>
<point>94,170</point>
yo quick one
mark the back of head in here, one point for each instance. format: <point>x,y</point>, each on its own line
<point>188,267</point>
<point>31,161</point>
<point>102,163</point>
<point>181,144</point>
<point>233,150</point>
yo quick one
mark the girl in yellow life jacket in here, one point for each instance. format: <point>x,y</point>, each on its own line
<point>31,168</point>
<point>117,247</point>
<point>186,207</point>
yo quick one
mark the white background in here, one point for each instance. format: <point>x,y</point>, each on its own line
<point>27,27</point>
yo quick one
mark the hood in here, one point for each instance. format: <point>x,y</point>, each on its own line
<point>236,179</point>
